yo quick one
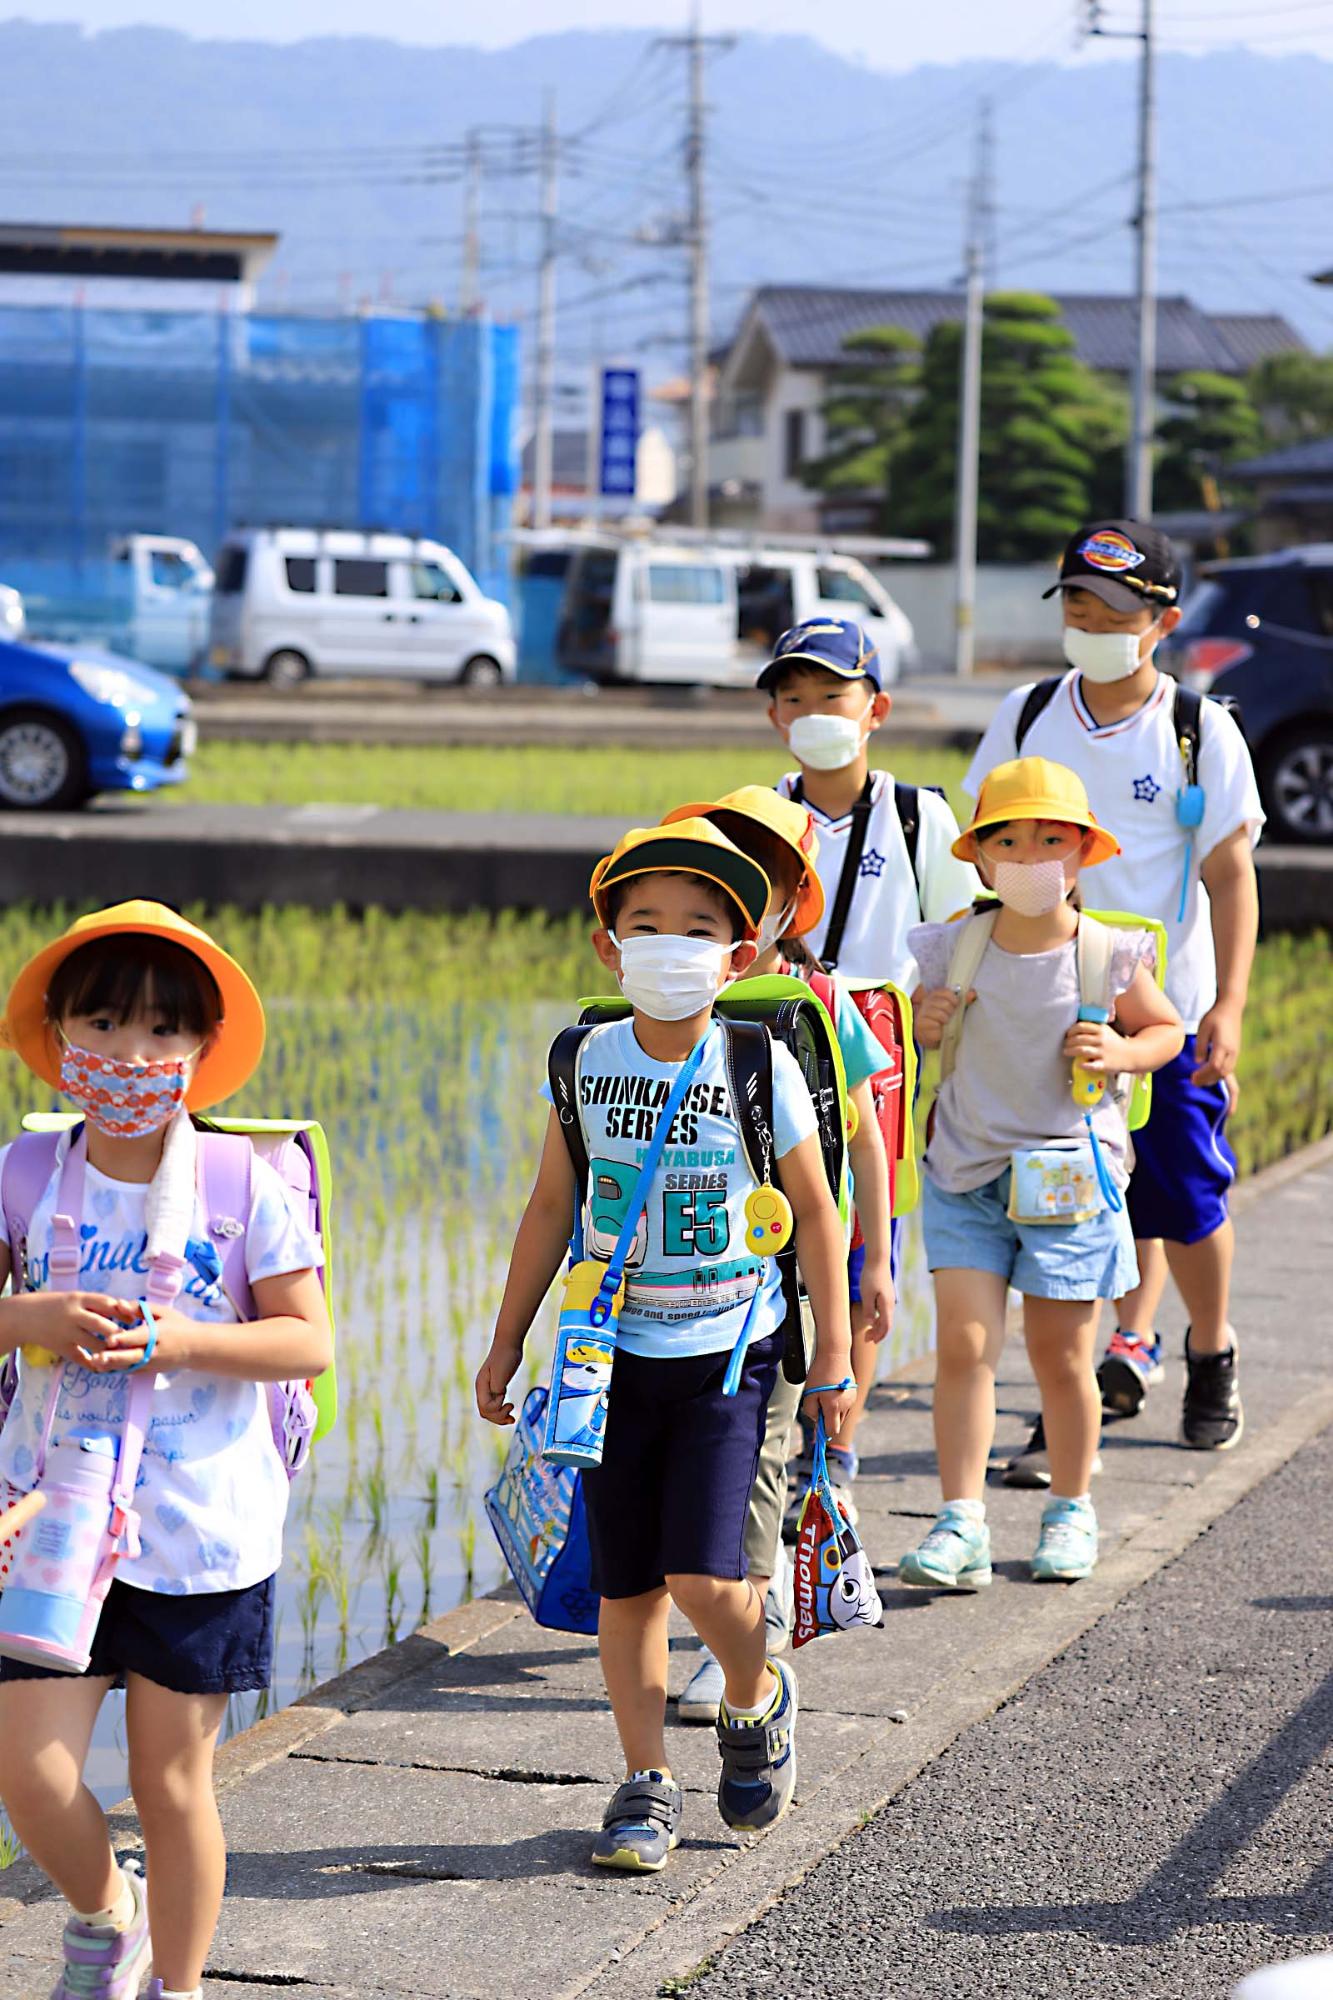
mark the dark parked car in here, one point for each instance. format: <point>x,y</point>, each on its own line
<point>73,723</point>
<point>1260,630</point>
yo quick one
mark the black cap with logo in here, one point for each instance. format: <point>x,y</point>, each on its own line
<point>1128,564</point>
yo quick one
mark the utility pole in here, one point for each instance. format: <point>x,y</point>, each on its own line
<point>542,440</point>
<point>1139,458</point>
<point>969,405</point>
<point>696,44</point>
<point>470,292</point>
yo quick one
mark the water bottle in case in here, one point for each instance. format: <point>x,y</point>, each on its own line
<point>64,1560</point>
<point>585,1348</point>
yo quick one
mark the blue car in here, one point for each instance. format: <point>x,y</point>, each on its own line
<point>74,722</point>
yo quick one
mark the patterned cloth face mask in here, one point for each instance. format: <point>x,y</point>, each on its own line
<point>125,1100</point>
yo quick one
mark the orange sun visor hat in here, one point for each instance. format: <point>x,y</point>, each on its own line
<point>237,1046</point>
<point>689,847</point>
<point>787,821</point>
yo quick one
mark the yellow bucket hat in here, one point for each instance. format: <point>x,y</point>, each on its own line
<point>688,847</point>
<point>789,822</point>
<point>1035,788</point>
<point>237,1046</point>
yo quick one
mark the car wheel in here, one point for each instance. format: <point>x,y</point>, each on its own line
<point>42,762</point>
<point>286,669</point>
<point>1298,784</point>
<point>481,671</point>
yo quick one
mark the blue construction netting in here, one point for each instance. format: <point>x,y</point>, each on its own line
<point>188,424</point>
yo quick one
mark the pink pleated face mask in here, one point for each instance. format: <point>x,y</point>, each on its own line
<point>1030,888</point>
<point>123,1099</point>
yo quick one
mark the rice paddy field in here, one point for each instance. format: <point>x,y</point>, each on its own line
<point>420,1042</point>
<point>629,783</point>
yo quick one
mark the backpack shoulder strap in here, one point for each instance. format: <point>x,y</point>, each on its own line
<point>907,802</point>
<point>748,1054</point>
<point>851,873</point>
<point>1187,721</point>
<point>1096,945</point>
<point>974,934</point>
<point>29,1164</point>
<point>1039,699</point>
<point>225,1166</point>
<point>562,1075</point>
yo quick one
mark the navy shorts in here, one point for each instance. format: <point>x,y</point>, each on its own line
<point>1183,1165</point>
<point>671,1495</point>
<point>219,1642</point>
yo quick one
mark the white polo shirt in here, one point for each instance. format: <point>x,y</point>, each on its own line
<point>889,898</point>
<point>1133,770</point>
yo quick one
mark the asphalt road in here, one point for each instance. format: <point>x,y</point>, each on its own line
<point>1148,1820</point>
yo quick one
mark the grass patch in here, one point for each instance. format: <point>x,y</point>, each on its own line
<point>625,782</point>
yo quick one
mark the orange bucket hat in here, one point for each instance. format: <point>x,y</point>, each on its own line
<point>789,822</point>
<point>1035,788</point>
<point>230,1060</point>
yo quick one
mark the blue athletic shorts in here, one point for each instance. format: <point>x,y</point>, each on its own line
<point>671,1495</point>
<point>1183,1164</point>
<point>1044,1260</point>
<point>218,1642</point>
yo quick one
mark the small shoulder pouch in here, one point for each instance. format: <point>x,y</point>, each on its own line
<point>1055,1183</point>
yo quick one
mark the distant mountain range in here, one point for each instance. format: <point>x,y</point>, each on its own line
<point>821,170</point>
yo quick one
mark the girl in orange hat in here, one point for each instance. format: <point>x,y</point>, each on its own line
<point>1025,1166</point>
<point>137,1017</point>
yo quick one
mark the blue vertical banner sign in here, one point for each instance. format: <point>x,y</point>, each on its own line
<point>620,432</point>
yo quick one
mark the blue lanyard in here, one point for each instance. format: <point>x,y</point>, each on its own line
<point>600,1310</point>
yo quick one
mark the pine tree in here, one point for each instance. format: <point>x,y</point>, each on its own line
<point>1209,422</point>
<point>865,416</point>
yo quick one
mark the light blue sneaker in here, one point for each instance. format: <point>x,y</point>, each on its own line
<point>1067,1546</point>
<point>955,1555</point>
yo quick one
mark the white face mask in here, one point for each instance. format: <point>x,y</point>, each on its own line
<point>828,742</point>
<point>1104,656</point>
<point>1030,888</point>
<point>774,928</point>
<point>671,978</point>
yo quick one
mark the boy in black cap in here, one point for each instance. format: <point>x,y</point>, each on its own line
<point>1172,774</point>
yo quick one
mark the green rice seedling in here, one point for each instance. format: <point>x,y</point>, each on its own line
<point>11,1847</point>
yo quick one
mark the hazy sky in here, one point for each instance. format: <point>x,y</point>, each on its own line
<point>891,34</point>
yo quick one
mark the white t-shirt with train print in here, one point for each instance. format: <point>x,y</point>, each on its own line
<point>212,1491</point>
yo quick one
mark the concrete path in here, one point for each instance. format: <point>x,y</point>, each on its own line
<point>421,1827</point>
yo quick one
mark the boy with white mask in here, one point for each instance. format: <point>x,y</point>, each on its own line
<point>1173,776</point>
<point>678,911</point>
<point>826,702</point>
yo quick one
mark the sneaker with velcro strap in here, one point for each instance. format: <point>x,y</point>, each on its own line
<point>103,1963</point>
<point>1130,1367</point>
<point>641,1825</point>
<point>759,1758</point>
<point>1031,1467</point>
<point>954,1555</point>
<point>1212,1418</point>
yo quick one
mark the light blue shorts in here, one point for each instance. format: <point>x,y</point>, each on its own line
<point>1044,1260</point>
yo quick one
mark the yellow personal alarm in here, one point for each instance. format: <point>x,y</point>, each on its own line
<point>1089,1085</point>
<point>853,1120</point>
<point>38,1357</point>
<point>769,1221</point>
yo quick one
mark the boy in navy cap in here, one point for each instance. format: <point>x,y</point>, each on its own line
<point>1172,774</point>
<point>885,863</point>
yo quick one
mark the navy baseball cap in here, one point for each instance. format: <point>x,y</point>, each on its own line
<point>839,645</point>
<point>1128,564</point>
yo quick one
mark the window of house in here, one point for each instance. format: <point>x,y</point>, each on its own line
<point>793,443</point>
<point>300,573</point>
<point>355,577</point>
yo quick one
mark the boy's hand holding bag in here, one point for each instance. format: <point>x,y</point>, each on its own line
<point>834,1585</point>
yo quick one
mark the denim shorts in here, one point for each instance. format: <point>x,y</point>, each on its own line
<point>1043,1260</point>
<point>214,1642</point>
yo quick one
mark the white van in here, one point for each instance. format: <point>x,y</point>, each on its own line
<point>659,611</point>
<point>292,602</point>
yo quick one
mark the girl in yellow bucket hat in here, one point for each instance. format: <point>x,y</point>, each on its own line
<point>1026,1161</point>
<point>138,1017</point>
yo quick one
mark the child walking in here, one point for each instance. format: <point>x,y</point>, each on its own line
<point>139,1018</point>
<point>991,1211</point>
<point>780,836</point>
<point>887,863</point>
<point>678,911</point>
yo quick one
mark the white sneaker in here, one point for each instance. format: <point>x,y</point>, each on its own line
<point>779,1604</point>
<point>701,1697</point>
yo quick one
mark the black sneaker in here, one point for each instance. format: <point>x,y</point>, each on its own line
<point>1031,1467</point>
<point>1212,1419</point>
